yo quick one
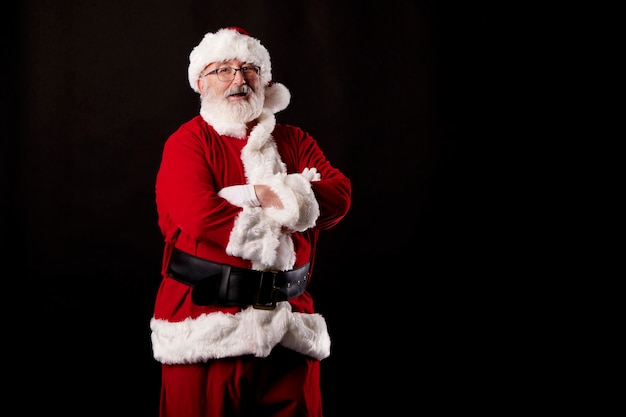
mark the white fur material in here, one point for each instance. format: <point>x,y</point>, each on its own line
<point>277,97</point>
<point>249,332</point>
<point>258,234</point>
<point>258,238</point>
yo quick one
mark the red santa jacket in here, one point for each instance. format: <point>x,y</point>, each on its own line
<point>196,164</point>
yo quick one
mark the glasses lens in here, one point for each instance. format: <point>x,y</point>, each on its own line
<point>250,72</point>
<point>226,74</point>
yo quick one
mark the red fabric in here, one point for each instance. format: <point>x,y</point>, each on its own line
<point>196,164</point>
<point>285,384</point>
<point>238,29</point>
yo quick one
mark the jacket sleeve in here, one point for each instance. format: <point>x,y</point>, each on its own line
<point>186,194</point>
<point>333,191</point>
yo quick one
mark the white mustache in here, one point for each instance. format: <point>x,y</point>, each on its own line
<point>242,89</point>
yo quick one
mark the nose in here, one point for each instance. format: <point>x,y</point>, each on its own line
<point>239,79</point>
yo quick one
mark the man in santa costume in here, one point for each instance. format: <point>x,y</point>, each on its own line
<point>241,200</point>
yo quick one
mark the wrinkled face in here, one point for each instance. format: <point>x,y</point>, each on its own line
<point>231,91</point>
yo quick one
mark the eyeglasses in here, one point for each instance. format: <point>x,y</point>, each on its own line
<point>228,73</point>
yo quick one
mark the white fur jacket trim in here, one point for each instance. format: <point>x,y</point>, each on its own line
<point>249,332</point>
<point>260,235</point>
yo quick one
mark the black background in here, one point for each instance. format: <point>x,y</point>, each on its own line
<point>397,95</point>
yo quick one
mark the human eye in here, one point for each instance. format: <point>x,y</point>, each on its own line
<point>223,70</point>
<point>249,70</point>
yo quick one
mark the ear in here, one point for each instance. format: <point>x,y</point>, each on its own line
<point>199,84</point>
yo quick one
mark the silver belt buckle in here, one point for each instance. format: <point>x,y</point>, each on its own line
<point>270,302</point>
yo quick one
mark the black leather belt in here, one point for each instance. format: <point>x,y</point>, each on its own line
<point>219,284</point>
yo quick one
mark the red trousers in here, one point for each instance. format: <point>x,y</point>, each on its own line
<point>285,384</point>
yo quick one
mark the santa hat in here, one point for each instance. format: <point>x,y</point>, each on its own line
<point>235,43</point>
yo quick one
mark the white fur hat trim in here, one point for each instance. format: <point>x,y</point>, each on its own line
<point>225,44</point>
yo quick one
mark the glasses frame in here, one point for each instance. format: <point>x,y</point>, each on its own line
<point>257,72</point>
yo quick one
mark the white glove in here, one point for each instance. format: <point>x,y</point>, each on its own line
<point>240,195</point>
<point>311,174</point>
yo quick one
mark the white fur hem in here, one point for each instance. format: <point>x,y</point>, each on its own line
<point>249,332</point>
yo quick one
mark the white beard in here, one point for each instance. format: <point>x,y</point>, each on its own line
<point>230,118</point>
